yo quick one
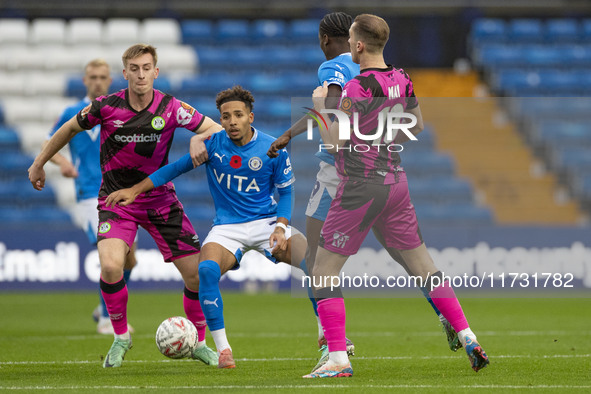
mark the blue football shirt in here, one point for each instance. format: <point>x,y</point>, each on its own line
<point>242,179</point>
<point>85,151</point>
<point>336,71</point>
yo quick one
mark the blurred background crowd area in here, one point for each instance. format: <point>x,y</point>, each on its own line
<point>504,89</point>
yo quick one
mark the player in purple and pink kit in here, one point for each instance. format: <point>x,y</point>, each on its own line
<point>373,194</point>
<point>137,128</point>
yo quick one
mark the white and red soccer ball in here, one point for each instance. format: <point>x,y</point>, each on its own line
<point>176,337</point>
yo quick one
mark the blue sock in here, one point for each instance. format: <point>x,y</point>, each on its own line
<point>210,297</point>
<point>126,274</point>
<point>304,268</point>
<point>426,294</point>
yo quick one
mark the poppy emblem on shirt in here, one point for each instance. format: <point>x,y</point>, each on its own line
<point>235,161</point>
<point>255,163</point>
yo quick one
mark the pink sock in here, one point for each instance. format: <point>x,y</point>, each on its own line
<point>116,303</point>
<point>446,301</point>
<point>332,317</point>
<point>194,312</point>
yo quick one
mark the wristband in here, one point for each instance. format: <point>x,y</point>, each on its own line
<point>281,225</point>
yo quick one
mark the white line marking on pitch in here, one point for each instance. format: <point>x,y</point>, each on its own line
<point>305,387</point>
<point>353,334</point>
<point>508,356</point>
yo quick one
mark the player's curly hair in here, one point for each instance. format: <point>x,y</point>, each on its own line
<point>235,93</point>
<point>335,24</point>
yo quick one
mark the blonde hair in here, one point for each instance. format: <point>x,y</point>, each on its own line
<point>138,50</point>
<point>372,30</point>
<point>99,62</point>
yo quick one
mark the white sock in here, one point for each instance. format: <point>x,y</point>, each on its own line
<point>200,344</point>
<point>465,334</point>
<point>220,339</point>
<point>320,329</point>
<point>125,336</point>
<point>339,358</point>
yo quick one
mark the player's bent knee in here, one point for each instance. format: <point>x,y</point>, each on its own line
<point>209,273</point>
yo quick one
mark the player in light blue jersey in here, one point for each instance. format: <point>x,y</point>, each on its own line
<point>334,73</point>
<point>85,168</point>
<point>242,181</point>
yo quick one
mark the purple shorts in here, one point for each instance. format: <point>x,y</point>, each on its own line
<point>359,206</point>
<point>161,214</point>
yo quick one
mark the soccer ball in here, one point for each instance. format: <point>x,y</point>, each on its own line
<point>176,337</point>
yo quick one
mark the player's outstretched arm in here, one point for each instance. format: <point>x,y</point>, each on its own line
<point>66,167</point>
<point>277,240</point>
<point>61,137</point>
<point>330,135</point>
<point>125,197</point>
<point>197,147</point>
<point>331,101</point>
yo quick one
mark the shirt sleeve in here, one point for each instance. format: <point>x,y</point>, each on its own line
<point>187,116</point>
<point>90,116</point>
<point>331,73</point>
<point>284,204</point>
<point>411,98</point>
<point>170,171</point>
<point>283,175</point>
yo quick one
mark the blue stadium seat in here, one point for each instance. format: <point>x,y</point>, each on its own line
<point>427,164</point>
<point>539,55</point>
<point>268,83</point>
<point>304,30</point>
<point>442,190</point>
<point>14,164</point>
<point>47,217</point>
<point>515,81</point>
<point>197,32</point>
<point>232,30</point>
<point>280,57</point>
<point>586,30</point>
<point>576,55</point>
<point>561,134</point>
<point>269,30</point>
<point>211,58</point>
<point>202,85</point>
<point>466,214</point>
<point>559,81</point>
<point>9,140</point>
<point>204,212</point>
<point>488,30</point>
<point>526,30</point>
<point>574,160</point>
<point>493,56</point>
<point>562,30</point>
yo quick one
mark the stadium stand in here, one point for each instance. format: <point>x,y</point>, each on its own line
<point>542,68</point>
<point>276,59</point>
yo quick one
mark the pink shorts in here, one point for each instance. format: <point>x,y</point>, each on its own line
<point>161,214</point>
<point>359,206</point>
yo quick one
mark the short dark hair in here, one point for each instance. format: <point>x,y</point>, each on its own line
<point>235,93</point>
<point>372,30</point>
<point>335,24</point>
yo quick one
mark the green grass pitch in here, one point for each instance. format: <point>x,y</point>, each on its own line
<point>48,342</point>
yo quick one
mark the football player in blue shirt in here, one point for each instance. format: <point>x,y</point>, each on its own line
<point>85,168</point>
<point>242,181</point>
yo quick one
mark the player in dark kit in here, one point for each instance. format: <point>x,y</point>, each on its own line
<point>373,193</point>
<point>137,128</point>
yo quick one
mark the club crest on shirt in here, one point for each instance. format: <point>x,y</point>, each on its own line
<point>104,228</point>
<point>255,163</point>
<point>85,111</point>
<point>158,123</point>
